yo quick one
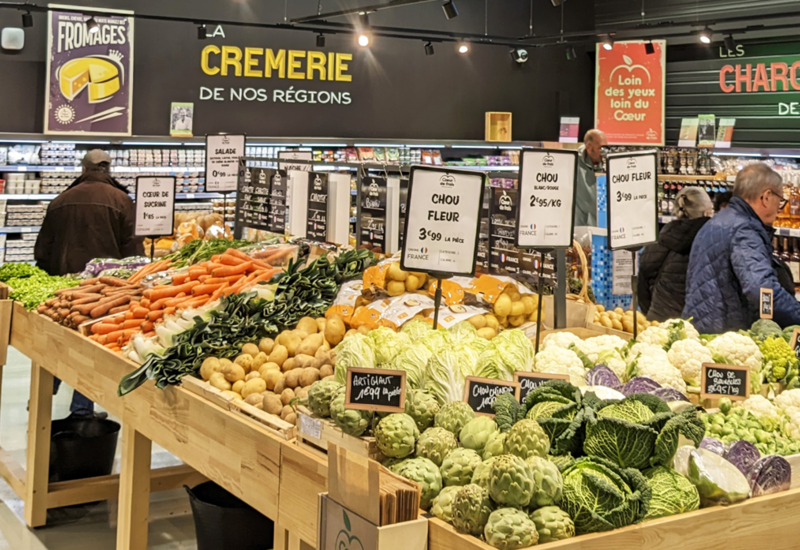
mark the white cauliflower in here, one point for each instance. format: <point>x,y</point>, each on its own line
<point>737,348</point>
<point>760,405</point>
<point>561,340</point>
<point>554,360</point>
<point>792,427</point>
<point>688,357</point>
<point>656,336</point>
<point>649,350</point>
<point>597,345</point>
<point>688,332</point>
<point>661,370</point>
<point>789,402</point>
<point>615,362</point>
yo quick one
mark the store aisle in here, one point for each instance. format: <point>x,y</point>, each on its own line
<point>88,527</point>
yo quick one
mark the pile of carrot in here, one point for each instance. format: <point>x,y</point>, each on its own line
<point>226,273</point>
<point>153,267</point>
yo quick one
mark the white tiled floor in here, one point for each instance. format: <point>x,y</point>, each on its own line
<point>90,527</point>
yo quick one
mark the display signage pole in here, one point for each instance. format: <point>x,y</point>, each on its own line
<point>545,217</point>
<point>632,214</point>
<point>443,216</point>
<point>155,208</point>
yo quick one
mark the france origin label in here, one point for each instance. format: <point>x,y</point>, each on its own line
<point>442,221</point>
<point>222,161</point>
<point>729,381</point>
<point>547,194</point>
<point>155,206</point>
<point>632,195</point>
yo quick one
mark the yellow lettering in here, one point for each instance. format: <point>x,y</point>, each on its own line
<point>209,70</point>
<point>316,62</point>
<point>294,64</point>
<point>275,62</point>
<point>331,65</point>
<point>231,57</point>
<point>251,62</point>
<point>341,67</point>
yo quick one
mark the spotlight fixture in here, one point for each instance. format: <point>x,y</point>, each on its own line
<point>364,39</point>
<point>202,32</point>
<point>364,36</point>
<point>608,42</point>
<point>557,3</point>
<point>649,48</point>
<point>463,47</point>
<point>27,20</point>
<point>520,55</point>
<point>450,11</point>
<point>571,55</point>
<point>92,25</point>
<point>320,40</point>
<point>730,43</point>
<point>428,48</point>
<point>705,36</point>
<point>363,20</point>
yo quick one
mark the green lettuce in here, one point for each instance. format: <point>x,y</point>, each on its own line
<point>353,351</point>
<point>386,344</point>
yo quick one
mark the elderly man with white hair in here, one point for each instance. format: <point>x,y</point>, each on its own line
<point>590,160</point>
<point>731,259</point>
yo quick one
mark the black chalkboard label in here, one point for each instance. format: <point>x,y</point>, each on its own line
<point>276,221</point>
<point>729,381</point>
<point>529,381</point>
<point>253,199</point>
<point>795,343</point>
<point>376,390</point>
<point>766,303</point>
<point>317,225</point>
<point>480,393</point>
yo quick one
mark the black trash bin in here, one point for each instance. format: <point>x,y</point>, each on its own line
<point>82,447</point>
<point>225,522</point>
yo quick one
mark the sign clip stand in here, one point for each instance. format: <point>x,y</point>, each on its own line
<point>437,302</point>
<point>152,248</point>
<point>634,287</point>
<point>541,252</point>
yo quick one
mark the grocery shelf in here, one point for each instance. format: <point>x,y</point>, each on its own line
<point>49,197</point>
<point>484,168</point>
<point>29,229</point>
<point>114,169</point>
<point>787,232</point>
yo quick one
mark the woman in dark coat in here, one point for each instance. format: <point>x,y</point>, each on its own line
<point>662,266</point>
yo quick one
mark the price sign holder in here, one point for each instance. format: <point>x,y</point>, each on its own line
<point>547,180</point>
<point>223,152</point>
<point>765,303</point>
<point>632,180</point>
<point>717,375</point>
<point>149,184</point>
<point>442,196</point>
<point>380,390</point>
<point>529,381</point>
<point>480,393</point>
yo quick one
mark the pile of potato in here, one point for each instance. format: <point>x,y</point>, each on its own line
<point>621,320</point>
<point>272,373</point>
<point>512,309</point>
<point>399,282</point>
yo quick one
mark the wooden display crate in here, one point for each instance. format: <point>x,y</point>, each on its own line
<point>614,332</point>
<point>272,423</point>
<point>314,434</point>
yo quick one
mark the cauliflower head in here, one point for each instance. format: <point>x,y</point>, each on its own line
<point>655,336</point>
<point>761,406</point>
<point>561,340</point>
<point>554,360</point>
<point>648,350</point>
<point>599,345</point>
<point>792,428</point>
<point>615,362</point>
<point>687,332</point>
<point>688,357</point>
<point>737,348</point>
<point>789,402</point>
<point>660,370</point>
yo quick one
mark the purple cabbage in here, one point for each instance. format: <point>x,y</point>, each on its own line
<point>670,394</point>
<point>714,445</point>
<point>743,455</point>
<point>640,384</point>
<point>771,474</point>
<point>601,375</point>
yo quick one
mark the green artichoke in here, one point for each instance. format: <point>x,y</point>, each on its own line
<point>477,432</point>
<point>552,524</point>
<point>320,396</point>
<point>509,529</point>
<point>442,506</point>
<point>547,484</point>
<point>350,421</point>
<point>527,438</point>
<point>483,472</point>
<point>393,463</point>
<point>453,416</point>
<point>495,446</point>
<point>424,472</point>
<point>422,407</point>
<point>511,481</point>
<point>435,443</point>
<point>459,465</point>
<point>396,435</point>
<point>471,508</point>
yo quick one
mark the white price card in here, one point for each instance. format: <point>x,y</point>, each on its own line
<point>222,161</point>
<point>155,206</point>
<point>443,215</point>
<point>632,197</point>
<point>546,197</point>
<point>295,155</point>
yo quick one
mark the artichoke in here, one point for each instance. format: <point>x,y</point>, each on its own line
<point>459,465</point>
<point>495,446</point>
<point>482,473</point>
<point>471,508</point>
<point>547,484</point>
<point>453,416</point>
<point>477,432</point>
<point>442,506</point>
<point>435,443</point>
<point>393,463</point>
<point>396,435</point>
<point>350,421</point>
<point>527,438</point>
<point>422,407</point>
<point>552,524</point>
<point>511,481</point>
<point>424,472</point>
<point>320,396</point>
<point>509,529</point>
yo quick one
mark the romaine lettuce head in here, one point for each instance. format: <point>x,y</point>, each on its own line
<point>491,365</point>
<point>416,329</point>
<point>447,372</point>
<point>387,343</point>
<point>353,351</point>
<point>435,340</point>
<point>414,360</point>
<point>515,349</point>
<point>463,333</point>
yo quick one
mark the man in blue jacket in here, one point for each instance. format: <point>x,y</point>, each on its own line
<point>731,259</point>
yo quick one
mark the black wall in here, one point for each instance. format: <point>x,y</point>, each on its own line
<point>397,91</point>
<point>613,13</point>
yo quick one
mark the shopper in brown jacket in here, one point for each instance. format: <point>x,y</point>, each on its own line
<point>93,218</point>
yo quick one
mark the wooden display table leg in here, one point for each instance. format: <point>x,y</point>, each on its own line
<point>37,469</point>
<point>134,490</point>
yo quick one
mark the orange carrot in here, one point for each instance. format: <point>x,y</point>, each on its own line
<point>113,346</point>
<point>230,259</point>
<point>196,271</point>
<point>231,270</point>
<point>104,328</point>
<point>205,289</point>
<point>140,312</point>
<point>145,303</point>
<point>155,315</point>
<point>161,304</point>
<point>150,333</point>
<point>119,309</point>
<point>169,310</point>
<point>218,292</point>
<point>122,335</point>
<point>133,323</point>
<point>217,280</point>
<point>147,326</point>
<point>195,302</point>
<point>180,278</point>
<point>238,254</point>
<point>172,302</point>
<point>172,291</point>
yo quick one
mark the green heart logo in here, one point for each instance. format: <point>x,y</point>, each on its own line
<point>345,541</point>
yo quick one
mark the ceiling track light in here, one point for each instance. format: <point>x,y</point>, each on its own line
<point>320,40</point>
<point>557,3</point>
<point>92,25</point>
<point>450,11</point>
<point>705,36</point>
<point>608,42</point>
<point>462,47</point>
<point>428,48</point>
<point>649,48</point>
<point>202,32</point>
<point>363,20</point>
<point>730,43</point>
<point>27,20</point>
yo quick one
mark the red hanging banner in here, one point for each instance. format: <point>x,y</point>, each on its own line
<point>629,93</point>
